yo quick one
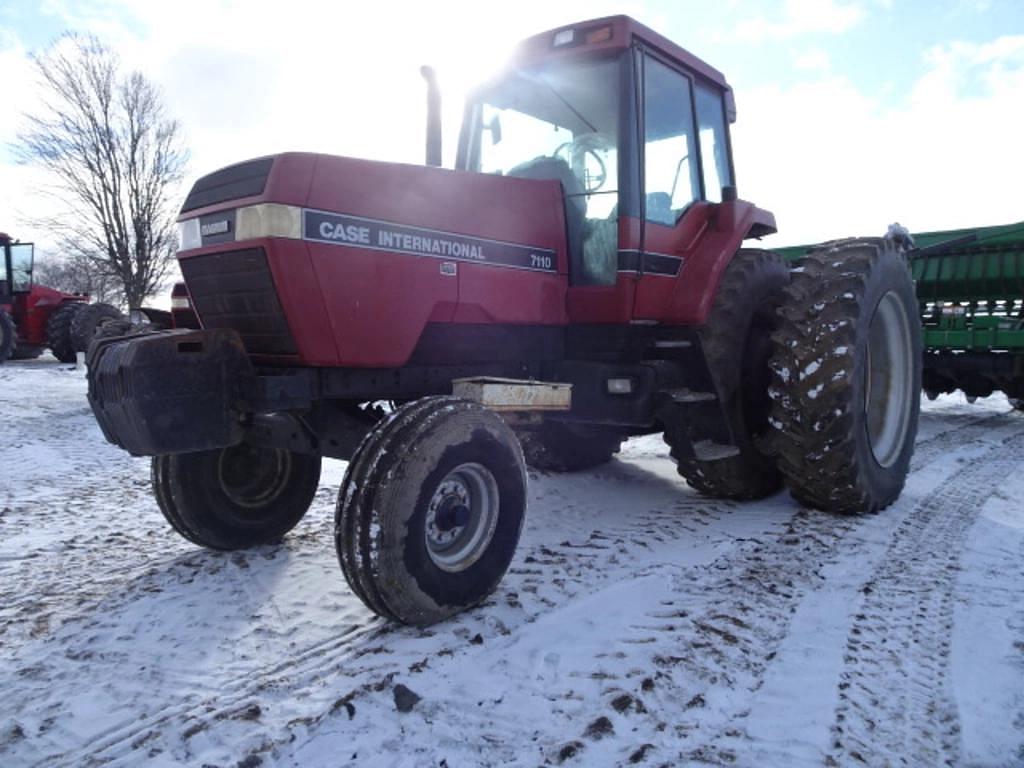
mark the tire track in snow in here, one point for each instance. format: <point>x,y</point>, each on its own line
<point>976,428</point>
<point>734,623</point>
<point>731,623</point>
<point>895,696</point>
<point>549,573</point>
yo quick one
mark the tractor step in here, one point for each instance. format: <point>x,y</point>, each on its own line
<point>501,394</point>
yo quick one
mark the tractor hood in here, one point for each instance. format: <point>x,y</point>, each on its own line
<point>340,261</point>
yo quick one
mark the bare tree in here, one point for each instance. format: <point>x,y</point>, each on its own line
<point>115,158</point>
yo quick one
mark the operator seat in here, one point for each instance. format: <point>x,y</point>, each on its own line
<point>556,169</point>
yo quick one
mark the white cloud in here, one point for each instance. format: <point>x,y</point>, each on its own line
<point>247,79</point>
<point>814,60</point>
<point>801,17</point>
<point>830,160</point>
<point>825,155</point>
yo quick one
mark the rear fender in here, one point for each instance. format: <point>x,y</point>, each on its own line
<point>730,224</point>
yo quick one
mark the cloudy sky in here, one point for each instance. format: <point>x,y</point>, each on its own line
<point>852,113</point>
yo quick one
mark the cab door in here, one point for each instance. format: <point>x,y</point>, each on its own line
<point>685,162</point>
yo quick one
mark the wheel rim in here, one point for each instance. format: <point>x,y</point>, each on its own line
<point>461,517</point>
<point>253,477</point>
<point>888,379</point>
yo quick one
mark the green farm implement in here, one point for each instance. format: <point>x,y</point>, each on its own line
<point>970,288</point>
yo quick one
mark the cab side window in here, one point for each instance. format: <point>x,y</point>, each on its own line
<point>21,266</point>
<point>670,159</point>
<point>714,145</point>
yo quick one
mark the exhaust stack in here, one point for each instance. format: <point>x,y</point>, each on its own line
<point>433,116</point>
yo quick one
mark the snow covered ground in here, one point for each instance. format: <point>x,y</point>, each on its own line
<point>639,624</point>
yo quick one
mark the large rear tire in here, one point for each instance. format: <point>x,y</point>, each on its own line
<point>88,320</point>
<point>8,336</point>
<point>58,331</point>
<point>737,344</point>
<point>235,497</point>
<point>560,447</point>
<point>430,511</point>
<point>846,368</point>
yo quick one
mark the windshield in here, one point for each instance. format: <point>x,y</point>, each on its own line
<point>560,122</point>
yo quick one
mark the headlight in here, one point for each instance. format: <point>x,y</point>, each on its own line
<point>253,221</point>
<point>268,220</point>
<point>188,235</point>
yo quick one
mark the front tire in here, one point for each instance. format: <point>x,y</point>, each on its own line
<point>846,369</point>
<point>236,497</point>
<point>430,511</point>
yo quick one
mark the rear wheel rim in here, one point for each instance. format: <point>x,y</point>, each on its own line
<point>253,477</point>
<point>462,516</point>
<point>888,378</point>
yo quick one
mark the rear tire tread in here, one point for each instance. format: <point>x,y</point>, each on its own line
<point>747,293</point>
<point>814,362</point>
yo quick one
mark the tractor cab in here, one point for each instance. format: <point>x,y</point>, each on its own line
<point>16,277</point>
<point>635,129</point>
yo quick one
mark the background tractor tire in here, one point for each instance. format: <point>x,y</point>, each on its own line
<point>737,344</point>
<point>58,331</point>
<point>236,497</point>
<point>8,336</point>
<point>430,511</point>
<point>560,447</point>
<point>85,323</point>
<point>26,352</point>
<point>846,366</point>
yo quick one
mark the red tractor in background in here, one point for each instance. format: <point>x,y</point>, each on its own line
<point>580,277</point>
<point>34,317</point>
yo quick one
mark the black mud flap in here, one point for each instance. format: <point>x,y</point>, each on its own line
<point>170,392</point>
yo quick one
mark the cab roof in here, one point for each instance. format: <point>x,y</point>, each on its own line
<point>615,33</point>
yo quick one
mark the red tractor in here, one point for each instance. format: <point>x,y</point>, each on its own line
<point>579,277</point>
<point>34,317</point>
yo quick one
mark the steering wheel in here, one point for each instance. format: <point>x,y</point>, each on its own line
<point>575,154</point>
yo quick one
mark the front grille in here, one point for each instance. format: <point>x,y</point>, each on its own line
<point>231,183</point>
<point>235,290</point>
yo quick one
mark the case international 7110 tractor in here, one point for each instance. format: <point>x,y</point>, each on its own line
<point>34,317</point>
<point>578,278</point>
